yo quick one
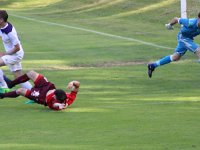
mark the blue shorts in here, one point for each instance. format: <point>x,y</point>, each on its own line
<point>185,44</point>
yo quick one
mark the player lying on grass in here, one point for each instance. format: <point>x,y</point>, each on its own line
<point>189,29</point>
<point>44,92</point>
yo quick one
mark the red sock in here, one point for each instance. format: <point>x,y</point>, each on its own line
<point>12,94</point>
<point>20,79</point>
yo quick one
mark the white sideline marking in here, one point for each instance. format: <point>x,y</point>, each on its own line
<point>93,31</point>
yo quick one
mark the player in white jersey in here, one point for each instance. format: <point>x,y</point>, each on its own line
<point>14,52</point>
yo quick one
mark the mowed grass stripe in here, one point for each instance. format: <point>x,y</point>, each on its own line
<point>93,31</point>
<point>117,108</point>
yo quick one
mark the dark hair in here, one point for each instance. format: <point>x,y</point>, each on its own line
<point>60,95</point>
<point>4,15</point>
<point>199,14</point>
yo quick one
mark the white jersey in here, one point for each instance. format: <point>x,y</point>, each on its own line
<point>10,39</point>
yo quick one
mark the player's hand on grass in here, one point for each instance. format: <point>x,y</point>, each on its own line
<point>169,26</point>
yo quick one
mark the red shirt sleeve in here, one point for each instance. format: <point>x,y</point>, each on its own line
<point>71,97</point>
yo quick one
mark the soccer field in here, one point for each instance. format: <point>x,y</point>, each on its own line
<point>106,45</point>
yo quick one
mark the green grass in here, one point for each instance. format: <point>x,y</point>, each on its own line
<point>117,107</point>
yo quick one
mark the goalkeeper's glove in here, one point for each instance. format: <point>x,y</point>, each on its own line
<point>169,26</point>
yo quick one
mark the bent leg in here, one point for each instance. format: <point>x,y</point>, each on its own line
<point>33,75</point>
<point>3,83</point>
<point>180,50</point>
<point>23,78</point>
<point>167,59</point>
<point>14,94</point>
<point>33,95</point>
<point>22,91</point>
<point>7,80</point>
<point>20,79</point>
<point>26,85</point>
<point>176,57</point>
<point>163,61</point>
<point>192,47</point>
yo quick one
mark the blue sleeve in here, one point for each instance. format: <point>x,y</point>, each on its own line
<point>188,22</point>
<point>184,21</point>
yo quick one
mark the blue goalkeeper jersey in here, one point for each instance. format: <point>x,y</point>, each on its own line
<point>189,28</point>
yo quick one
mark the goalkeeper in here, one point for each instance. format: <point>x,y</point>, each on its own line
<point>189,29</point>
<point>44,92</point>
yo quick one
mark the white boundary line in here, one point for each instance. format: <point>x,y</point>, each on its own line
<point>93,31</point>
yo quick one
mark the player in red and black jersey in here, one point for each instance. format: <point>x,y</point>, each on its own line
<point>44,92</point>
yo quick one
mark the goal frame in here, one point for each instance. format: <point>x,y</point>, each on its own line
<point>183,8</point>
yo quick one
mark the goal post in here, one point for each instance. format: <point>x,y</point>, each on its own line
<point>183,8</point>
<point>189,8</point>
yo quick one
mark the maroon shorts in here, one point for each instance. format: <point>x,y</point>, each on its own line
<point>39,91</point>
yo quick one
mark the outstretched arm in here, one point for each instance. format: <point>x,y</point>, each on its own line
<point>174,21</point>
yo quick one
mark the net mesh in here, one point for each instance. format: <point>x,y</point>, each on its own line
<point>193,8</point>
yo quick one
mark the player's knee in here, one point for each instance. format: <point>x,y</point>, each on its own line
<point>31,74</point>
<point>175,57</point>
<point>20,91</point>
<point>198,52</point>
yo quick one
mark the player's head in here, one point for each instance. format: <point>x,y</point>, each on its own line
<point>3,16</point>
<point>199,15</point>
<point>60,95</point>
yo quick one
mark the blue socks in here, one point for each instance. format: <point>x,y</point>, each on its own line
<point>163,61</point>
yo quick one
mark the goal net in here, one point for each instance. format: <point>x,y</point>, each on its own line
<point>193,8</point>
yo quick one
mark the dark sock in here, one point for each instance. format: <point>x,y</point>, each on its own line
<point>8,81</point>
<point>19,80</point>
<point>12,94</point>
